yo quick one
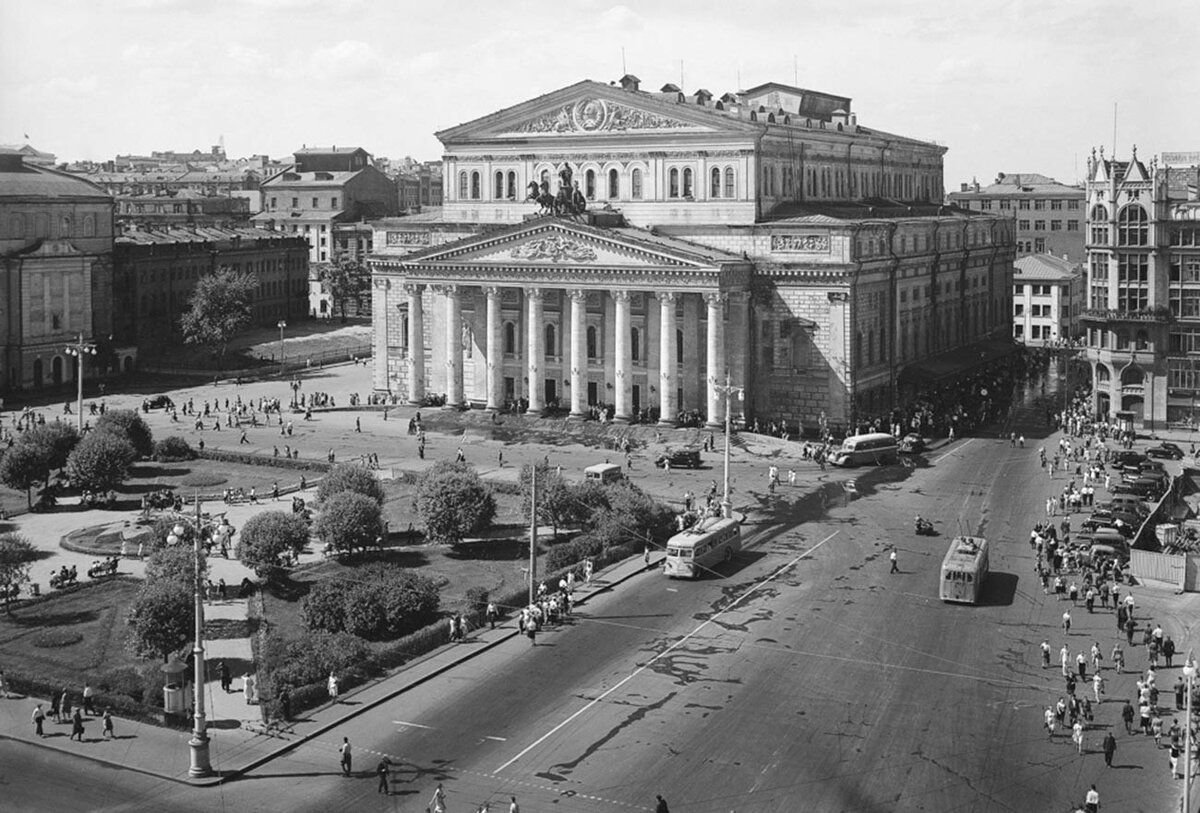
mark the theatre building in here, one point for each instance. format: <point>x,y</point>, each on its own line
<point>606,247</point>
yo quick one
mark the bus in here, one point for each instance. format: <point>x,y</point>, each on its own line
<point>964,570</point>
<point>876,448</point>
<point>709,541</point>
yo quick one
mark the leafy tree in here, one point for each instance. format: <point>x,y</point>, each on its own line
<point>56,440</point>
<point>23,466</point>
<point>176,564</point>
<point>128,424</point>
<point>351,477</point>
<point>453,502</point>
<point>347,281</point>
<point>560,502</point>
<point>384,601</point>
<point>160,619</point>
<point>324,608</point>
<point>164,526</point>
<point>101,461</point>
<point>172,449</point>
<point>267,538</point>
<point>17,555</point>
<point>348,521</point>
<point>218,309</point>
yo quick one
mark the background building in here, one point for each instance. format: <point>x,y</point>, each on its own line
<point>182,207</point>
<point>1048,296</point>
<point>1048,215</point>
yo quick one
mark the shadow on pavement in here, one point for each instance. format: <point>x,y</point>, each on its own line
<point>999,590</point>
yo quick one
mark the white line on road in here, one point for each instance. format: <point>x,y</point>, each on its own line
<point>673,646</point>
<point>962,445</point>
<point>413,725</point>
<point>497,739</point>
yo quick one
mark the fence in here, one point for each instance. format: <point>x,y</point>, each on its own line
<point>1164,569</point>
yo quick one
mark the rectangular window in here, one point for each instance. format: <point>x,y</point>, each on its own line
<point>1072,225</point>
<point>1098,299</point>
<point>1039,225</point>
<point>1055,225</point>
<point>1039,245</point>
<point>1023,225</point>
<point>1072,206</point>
<point>273,203</point>
<point>985,205</point>
<point>1019,309</point>
<point>316,203</point>
<point>333,202</point>
<point>1006,204</point>
<point>1056,205</point>
<point>295,203</point>
<point>1039,205</point>
<point>1023,204</point>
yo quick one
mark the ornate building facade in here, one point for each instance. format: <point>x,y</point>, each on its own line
<point>605,246</point>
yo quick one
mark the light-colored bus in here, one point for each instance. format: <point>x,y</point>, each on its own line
<point>709,541</point>
<point>604,473</point>
<point>876,448</point>
<point>964,570</point>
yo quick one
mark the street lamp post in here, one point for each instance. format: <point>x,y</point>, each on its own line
<point>1189,672</point>
<point>79,350</point>
<point>200,764</point>
<point>281,325</point>
<point>727,389</point>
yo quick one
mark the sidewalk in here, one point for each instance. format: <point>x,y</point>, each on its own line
<point>164,752</point>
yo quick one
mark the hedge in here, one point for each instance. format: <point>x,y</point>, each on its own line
<point>252,459</point>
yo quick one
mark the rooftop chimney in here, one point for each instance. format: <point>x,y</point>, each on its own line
<point>630,82</point>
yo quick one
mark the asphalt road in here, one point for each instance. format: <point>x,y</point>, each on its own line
<point>803,676</point>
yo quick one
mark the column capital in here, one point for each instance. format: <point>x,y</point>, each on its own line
<point>492,291</point>
<point>621,295</point>
<point>578,295</point>
<point>413,288</point>
<point>666,297</point>
<point>715,298</point>
<point>535,294</point>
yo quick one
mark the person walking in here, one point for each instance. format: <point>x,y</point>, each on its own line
<point>64,704</point>
<point>892,558</point>
<point>39,718</point>
<point>491,614</point>
<point>1179,691</point>
<point>1045,654</point>
<point>1091,802</point>
<point>89,695</point>
<point>438,803</point>
<point>109,734</point>
<point>346,756</point>
<point>1110,748</point>
<point>383,770</point>
<point>77,725</point>
<point>513,807</point>
<point>1066,622</point>
<point>332,686</point>
<point>226,677</point>
<point>1097,686</point>
<point>661,806</point>
<point>1118,656</point>
<point>1127,716</point>
<point>1077,736</point>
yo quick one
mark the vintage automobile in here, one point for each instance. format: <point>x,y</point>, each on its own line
<point>680,459</point>
<point>912,443</point>
<point>1165,450</point>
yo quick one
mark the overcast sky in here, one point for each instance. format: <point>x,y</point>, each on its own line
<point>1007,85</point>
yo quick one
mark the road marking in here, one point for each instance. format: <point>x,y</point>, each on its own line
<point>413,725</point>
<point>962,445</point>
<point>672,589</point>
<point>497,739</point>
<point>672,647</point>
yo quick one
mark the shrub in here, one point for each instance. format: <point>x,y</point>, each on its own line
<point>310,658</point>
<point>269,539</point>
<point>453,502</point>
<point>348,521</point>
<point>160,619</point>
<point>384,601</point>
<point>176,565</point>
<point>100,461</point>
<point>351,477</point>
<point>128,424</point>
<point>23,466</point>
<point>324,608</point>
<point>476,603</point>
<point>173,449</point>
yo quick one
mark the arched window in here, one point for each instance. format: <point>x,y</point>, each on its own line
<point>510,338</point>
<point>1103,376</point>
<point>1142,340</point>
<point>16,226</point>
<point>635,184</point>
<point>673,183</point>
<point>463,185</point>
<point>591,342</point>
<point>589,183</point>
<point>545,181</point>
<point>687,182</point>
<point>1133,374</point>
<point>678,346</point>
<point>512,185</point>
<point>551,345</point>
<point>729,185</point>
<point>498,187</point>
<point>614,184</point>
<point>714,186</point>
<point>870,347</point>
<point>635,344</point>
<point>476,193</point>
<point>1132,228</point>
<point>89,226</point>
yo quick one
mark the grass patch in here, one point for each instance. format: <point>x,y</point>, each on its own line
<point>203,480</point>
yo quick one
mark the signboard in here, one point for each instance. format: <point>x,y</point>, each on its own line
<point>1181,159</point>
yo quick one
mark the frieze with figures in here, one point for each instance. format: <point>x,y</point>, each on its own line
<point>598,115</point>
<point>408,238</point>
<point>554,248</point>
<point>808,243</point>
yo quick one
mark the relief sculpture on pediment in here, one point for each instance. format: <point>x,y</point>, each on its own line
<point>596,115</point>
<point>554,248</point>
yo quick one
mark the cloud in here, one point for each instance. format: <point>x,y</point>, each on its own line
<point>622,18</point>
<point>347,59</point>
<point>243,58</point>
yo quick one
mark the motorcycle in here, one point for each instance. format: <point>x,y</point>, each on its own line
<point>923,527</point>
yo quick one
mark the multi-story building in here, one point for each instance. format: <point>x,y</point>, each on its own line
<point>1142,318</point>
<point>1047,299</point>
<point>765,237</point>
<point>56,247</point>
<point>157,268</point>
<point>1048,215</point>
<point>324,188</point>
<point>183,207</point>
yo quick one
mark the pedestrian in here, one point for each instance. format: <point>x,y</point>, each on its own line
<point>1091,802</point>
<point>661,807</point>
<point>500,458</point>
<point>438,803</point>
<point>285,704</point>
<point>77,725</point>
<point>39,718</point>
<point>109,734</point>
<point>1179,690</point>
<point>491,614</point>
<point>588,567</point>
<point>1050,720</point>
<point>382,770</point>
<point>357,424</point>
<point>1066,622</point>
<point>332,686</point>
<point>226,677</point>
<point>892,558</point>
<point>346,757</point>
<point>54,708</point>
<point>1127,717</point>
<point>1081,662</point>
<point>1077,736</point>
<point>1118,656</point>
<point>1156,729</point>
<point>89,701</point>
<point>513,807</point>
<point>1174,760</point>
<point>1110,748</point>
<point>1045,654</point>
<point>1097,686</point>
<point>646,555</point>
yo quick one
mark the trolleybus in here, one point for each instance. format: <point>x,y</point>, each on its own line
<point>875,448</point>
<point>709,541</point>
<point>964,570</point>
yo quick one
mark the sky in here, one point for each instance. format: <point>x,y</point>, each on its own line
<point>1007,85</point>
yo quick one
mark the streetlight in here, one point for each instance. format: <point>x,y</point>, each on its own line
<point>281,325</point>
<point>80,349</point>
<point>1189,672</point>
<point>200,764</point>
<point>727,389</point>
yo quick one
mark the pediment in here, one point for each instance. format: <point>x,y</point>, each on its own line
<point>591,114</point>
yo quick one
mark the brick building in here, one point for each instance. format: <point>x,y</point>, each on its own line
<point>1048,296</point>
<point>1048,215</point>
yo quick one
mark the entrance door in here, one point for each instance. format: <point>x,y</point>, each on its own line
<point>510,389</point>
<point>551,392</point>
<point>38,373</point>
<point>593,393</point>
<point>56,370</point>
<point>637,399</point>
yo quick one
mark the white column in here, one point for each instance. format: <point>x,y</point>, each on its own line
<point>495,350</point>
<point>579,358</point>
<point>624,375</point>
<point>653,330</point>
<point>454,354</point>
<point>537,352</point>
<point>668,376</point>
<point>416,344</point>
<point>716,358</point>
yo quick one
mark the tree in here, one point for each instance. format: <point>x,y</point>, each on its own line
<point>17,555</point>
<point>350,477</point>
<point>101,461</point>
<point>56,440</point>
<point>175,564</point>
<point>160,619</point>
<point>347,280</point>
<point>560,503</point>
<point>128,424</point>
<point>268,538</point>
<point>23,466</point>
<point>348,521</point>
<point>218,309</point>
<point>453,502</point>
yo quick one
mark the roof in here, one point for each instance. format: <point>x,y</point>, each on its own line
<point>288,213</point>
<point>1023,183</point>
<point>19,179</point>
<point>298,179</point>
<point>199,234</point>
<point>327,150</point>
<point>826,213</point>
<point>1045,268</point>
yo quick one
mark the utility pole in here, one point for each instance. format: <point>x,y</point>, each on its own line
<point>727,389</point>
<point>79,350</point>
<point>532,531</point>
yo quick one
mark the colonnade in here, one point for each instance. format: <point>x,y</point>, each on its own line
<point>660,347</point>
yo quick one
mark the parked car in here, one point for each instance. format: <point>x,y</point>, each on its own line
<point>157,402</point>
<point>1165,450</point>
<point>1127,458</point>
<point>912,443</point>
<point>1150,466</point>
<point>680,459</point>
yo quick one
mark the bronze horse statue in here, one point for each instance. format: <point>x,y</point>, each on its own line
<point>542,197</point>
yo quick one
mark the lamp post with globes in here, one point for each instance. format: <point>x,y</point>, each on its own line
<point>281,325</point>
<point>1189,674</point>
<point>200,766</point>
<point>728,390</point>
<point>80,350</point>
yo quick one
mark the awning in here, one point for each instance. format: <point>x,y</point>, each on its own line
<point>960,361</point>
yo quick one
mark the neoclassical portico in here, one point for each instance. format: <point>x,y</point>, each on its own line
<point>554,314</point>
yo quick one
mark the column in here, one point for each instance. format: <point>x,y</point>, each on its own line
<point>622,403</point>
<point>416,344</point>
<point>668,376</point>
<point>651,339</point>
<point>737,344</point>
<point>579,358</point>
<point>495,350</point>
<point>454,355</point>
<point>537,352</point>
<point>716,358</point>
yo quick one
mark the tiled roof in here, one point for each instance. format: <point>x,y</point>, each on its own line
<point>1045,268</point>
<point>199,234</point>
<point>291,178</point>
<point>869,209</point>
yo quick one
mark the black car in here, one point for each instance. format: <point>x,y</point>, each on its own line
<point>1165,450</point>
<point>157,402</point>
<point>680,459</point>
<point>1127,458</point>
